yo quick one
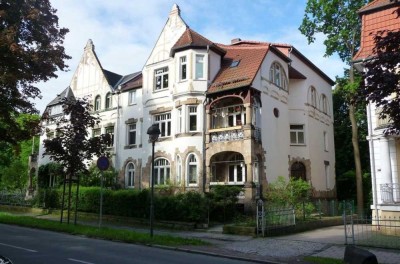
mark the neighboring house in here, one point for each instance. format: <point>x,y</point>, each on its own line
<point>384,149</point>
<point>239,114</point>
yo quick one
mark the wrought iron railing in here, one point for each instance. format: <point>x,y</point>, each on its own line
<point>390,193</point>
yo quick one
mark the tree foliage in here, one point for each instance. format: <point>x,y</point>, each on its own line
<point>31,50</point>
<point>338,20</point>
<point>73,147</point>
<point>382,78</point>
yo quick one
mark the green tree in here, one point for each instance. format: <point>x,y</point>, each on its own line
<point>382,78</point>
<point>31,50</point>
<point>73,147</point>
<point>338,21</point>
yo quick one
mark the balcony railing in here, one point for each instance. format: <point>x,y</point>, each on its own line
<point>390,193</point>
<point>227,135</point>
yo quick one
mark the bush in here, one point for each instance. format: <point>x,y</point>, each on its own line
<point>48,198</point>
<point>223,202</point>
<point>93,177</point>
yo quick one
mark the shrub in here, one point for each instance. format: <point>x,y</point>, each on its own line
<point>223,199</point>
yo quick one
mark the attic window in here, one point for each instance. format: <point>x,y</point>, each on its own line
<point>234,63</point>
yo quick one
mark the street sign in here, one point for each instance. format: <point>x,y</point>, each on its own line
<point>103,163</point>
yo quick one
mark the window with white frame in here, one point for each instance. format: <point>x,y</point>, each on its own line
<point>162,171</point>
<point>236,115</point>
<point>277,76</point>
<point>161,78</point>
<point>313,92</point>
<point>108,101</point>
<point>236,170</point>
<point>97,103</point>
<point>192,170</point>
<point>96,132</point>
<point>179,128</point>
<point>130,175</point>
<point>131,133</point>
<point>199,69</point>
<point>132,97</point>
<point>164,124</point>
<point>178,170</point>
<point>255,171</point>
<point>193,118</point>
<point>324,104</point>
<point>110,131</point>
<point>297,135</point>
<point>55,109</point>
<point>182,68</point>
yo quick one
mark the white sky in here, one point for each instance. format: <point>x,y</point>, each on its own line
<point>125,31</point>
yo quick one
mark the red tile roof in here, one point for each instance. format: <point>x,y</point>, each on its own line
<point>384,18</point>
<point>250,57</point>
<point>376,4</point>
<point>191,39</point>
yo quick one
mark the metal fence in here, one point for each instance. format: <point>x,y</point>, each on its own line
<point>372,231</point>
<point>271,220</point>
<point>14,198</point>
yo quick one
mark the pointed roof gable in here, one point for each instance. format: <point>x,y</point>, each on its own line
<point>239,66</point>
<point>190,39</point>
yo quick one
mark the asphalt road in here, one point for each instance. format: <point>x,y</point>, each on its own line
<point>26,245</point>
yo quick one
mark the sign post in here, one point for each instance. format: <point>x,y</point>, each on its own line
<point>103,164</point>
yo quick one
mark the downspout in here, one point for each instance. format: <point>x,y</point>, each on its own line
<point>372,160</point>
<point>205,122</point>
<point>117,134</point>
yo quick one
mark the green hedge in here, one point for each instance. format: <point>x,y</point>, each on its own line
<point>190,206</point>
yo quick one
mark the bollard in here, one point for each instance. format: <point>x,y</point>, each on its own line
<point>354,255</point>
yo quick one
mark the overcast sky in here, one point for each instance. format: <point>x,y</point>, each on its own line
<point>125,31</point>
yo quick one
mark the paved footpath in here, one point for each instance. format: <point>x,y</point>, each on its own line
<point>324,242</point>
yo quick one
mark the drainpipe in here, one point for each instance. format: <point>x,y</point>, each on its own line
<point>118,92</point>
<point>372,160</point>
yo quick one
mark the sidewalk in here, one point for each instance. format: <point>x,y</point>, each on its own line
<point>325,242</point>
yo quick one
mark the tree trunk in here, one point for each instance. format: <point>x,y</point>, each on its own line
<point>356,152</point>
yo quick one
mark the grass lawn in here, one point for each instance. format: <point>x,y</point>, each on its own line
<point>95,232</point>
<point>321,260</point>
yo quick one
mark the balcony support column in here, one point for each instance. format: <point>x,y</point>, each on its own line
<point>249,115</point>
<point>385,169</point>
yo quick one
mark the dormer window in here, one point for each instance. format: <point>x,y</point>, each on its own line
<point>234,63</point>
<point>161,79</point>
<point>277,76</point>
<point>55,110</point>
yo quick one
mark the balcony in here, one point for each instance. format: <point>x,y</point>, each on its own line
<point>227,134</point>
<point>390,193</point>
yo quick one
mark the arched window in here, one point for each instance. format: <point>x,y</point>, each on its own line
<point>298,171</point>
<point>108,101</point>
<point>324,104</point>
<point>162,171</point>
<point>277,76</point>
<point>178,170</point>
<point>97,103</point>
<point>130,175</point>
<point>313,97</point>
<point>192,170</point>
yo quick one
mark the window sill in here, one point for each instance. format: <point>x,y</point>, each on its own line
<point>297,145</point>
<point>132,146</point>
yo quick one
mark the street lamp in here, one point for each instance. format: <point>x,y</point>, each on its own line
<point>153,132</point>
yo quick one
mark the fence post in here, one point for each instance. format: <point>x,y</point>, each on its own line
<point>260,217</point>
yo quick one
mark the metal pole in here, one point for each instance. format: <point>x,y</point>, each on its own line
<point>152,192</point>
<point>101,198</point>
<point>76,200</point>
<point>63,199</point>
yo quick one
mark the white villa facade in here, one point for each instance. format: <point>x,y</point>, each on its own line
<point>238,114</point>
<point>384,149</point>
